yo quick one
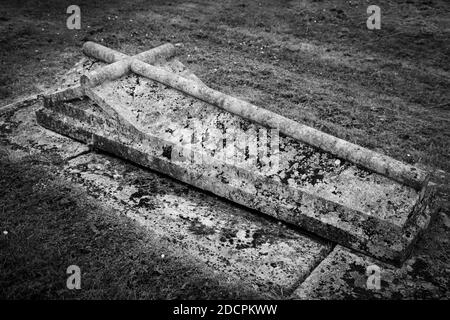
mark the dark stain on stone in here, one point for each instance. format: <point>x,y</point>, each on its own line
<point>137,195</point>
<point>228,235</point>
<point>245,125</point>
<point>421,269</point>
<point>167,152</point>
<point>222,178</point>
<point>5,129</point>
<point>362,173</point>
<point>241,246</point>
<point>315,177</point>
<point>354,268</point>
<point>199,228</point>
<point>146,203</point>
<point>258,238</point>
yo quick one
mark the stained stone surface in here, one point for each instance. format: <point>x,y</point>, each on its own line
<point>227,238</point>
<point>158,110</point>
<point>240,245</point>
<point>163,129</point>
<point>345,275</point>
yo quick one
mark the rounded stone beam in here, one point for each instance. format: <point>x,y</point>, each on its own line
<point>102,53</point>
<point>384,165</point>
<point>119,62</point>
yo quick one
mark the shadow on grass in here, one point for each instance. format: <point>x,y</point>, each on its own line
<point>51,225</point>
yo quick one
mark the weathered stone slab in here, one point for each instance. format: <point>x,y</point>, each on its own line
<point>239,245</point>
<point>157,126</point>
<point>20,136</point>
<point>227,238</point>
<point>345,275</point>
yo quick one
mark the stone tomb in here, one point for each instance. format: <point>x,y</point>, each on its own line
<point>191,136</point>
